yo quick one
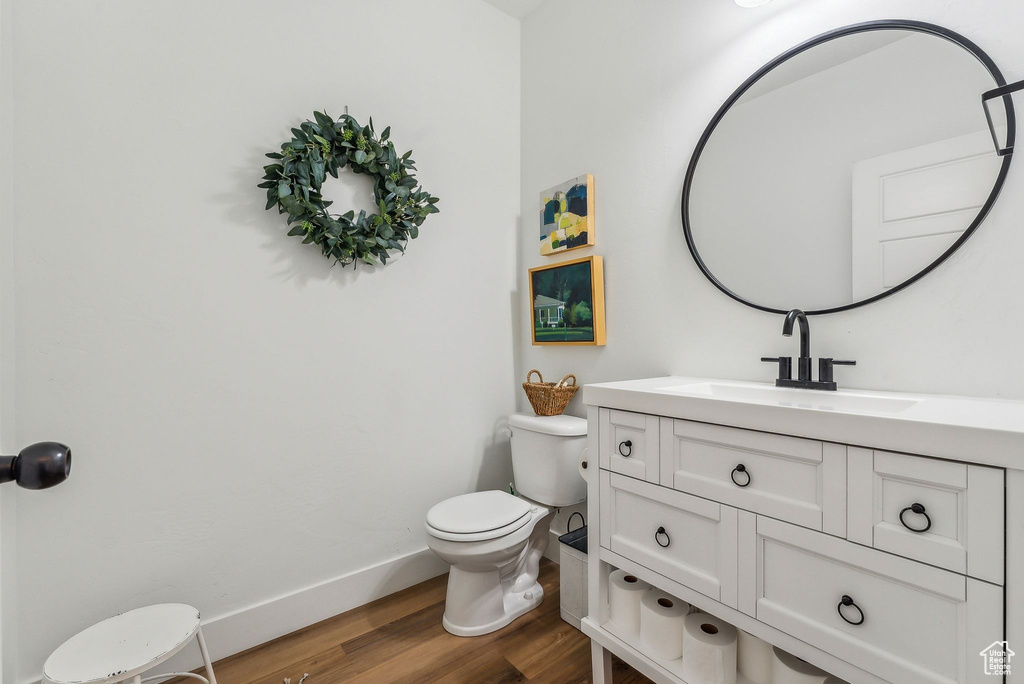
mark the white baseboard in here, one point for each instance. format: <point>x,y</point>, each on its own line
<point>242,629</point>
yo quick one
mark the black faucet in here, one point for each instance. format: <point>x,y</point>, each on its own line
<point>826,380</point>
<point>804,362</point>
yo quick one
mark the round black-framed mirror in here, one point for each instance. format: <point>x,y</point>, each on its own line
<point>724,231</point>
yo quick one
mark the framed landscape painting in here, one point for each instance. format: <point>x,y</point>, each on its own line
<point>568,302</point>
<point>567,216</point>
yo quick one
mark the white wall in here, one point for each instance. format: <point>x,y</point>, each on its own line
<point>627,98</point>
<point>247,421</point>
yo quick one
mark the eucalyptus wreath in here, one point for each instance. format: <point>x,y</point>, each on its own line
<point>325,146</point>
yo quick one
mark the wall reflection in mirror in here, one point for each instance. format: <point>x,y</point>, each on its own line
<point>844,171</point>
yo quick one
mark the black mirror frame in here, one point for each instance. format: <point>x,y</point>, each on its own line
<point>883,25</point>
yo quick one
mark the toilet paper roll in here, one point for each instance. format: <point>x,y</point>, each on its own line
<point>754,658</point>
<point>788,669</point>
<point>624,594</point>
<point>588,469</point>
<point>709,650</point>
<point>661,624</point>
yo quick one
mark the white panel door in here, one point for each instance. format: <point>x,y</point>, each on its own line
<point>910,206</point>
<point>7,615</point>
<point>6,611</point>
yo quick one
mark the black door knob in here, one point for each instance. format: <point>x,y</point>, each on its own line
<point>39,466</point>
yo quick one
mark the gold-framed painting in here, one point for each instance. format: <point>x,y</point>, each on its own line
<point>568,302</point>
<point>567,216</point>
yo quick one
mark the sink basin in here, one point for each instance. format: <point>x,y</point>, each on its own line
<point>854,402</point>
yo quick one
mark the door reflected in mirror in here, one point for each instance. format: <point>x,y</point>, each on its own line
<point>846,170</point>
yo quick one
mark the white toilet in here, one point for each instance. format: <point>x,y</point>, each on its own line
<point>493,540</point>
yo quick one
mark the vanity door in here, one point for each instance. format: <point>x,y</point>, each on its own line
<point>802,481</point>
<point>939,512</point>
<point>903,621</point>
<point>685,538</point>
<point>629,444</point>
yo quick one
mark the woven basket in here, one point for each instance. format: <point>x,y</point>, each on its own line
<point>549,398</point>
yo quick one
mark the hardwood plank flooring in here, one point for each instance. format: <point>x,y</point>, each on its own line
<point>399,638</point>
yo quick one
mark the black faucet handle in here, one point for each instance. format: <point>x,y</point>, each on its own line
<point>785,365</point>
<point>825,366</point>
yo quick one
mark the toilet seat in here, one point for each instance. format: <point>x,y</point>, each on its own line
<point>478,516</point>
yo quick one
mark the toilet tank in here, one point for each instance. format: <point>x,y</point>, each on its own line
<point>545,458</point>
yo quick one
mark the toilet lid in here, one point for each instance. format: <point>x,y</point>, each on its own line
<point>477,512</point>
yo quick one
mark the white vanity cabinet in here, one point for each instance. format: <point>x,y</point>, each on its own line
<point>873,562</point>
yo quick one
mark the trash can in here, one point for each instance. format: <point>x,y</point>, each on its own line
<point>573,574</point>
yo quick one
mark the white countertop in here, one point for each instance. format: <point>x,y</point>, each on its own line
<point>984,431</point>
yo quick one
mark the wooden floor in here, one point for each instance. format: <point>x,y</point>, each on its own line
<point>399,638</point>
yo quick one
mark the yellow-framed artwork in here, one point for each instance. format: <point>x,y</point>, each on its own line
<point>567,216</point>
<point>567,301</point>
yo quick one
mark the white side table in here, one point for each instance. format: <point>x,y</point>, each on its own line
<point>124,647</point>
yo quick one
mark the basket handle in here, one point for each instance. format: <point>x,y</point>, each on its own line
<point>583,522</point>
<point>563,382</point>
<point>538,375</point>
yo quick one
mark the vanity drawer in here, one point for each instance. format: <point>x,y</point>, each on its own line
<point>799,480</point>
<point>963,503</point>
<point>920,624</point>
<point>629,444</point>
<point>685,538</point>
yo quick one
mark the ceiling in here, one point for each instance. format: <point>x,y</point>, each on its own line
<point>516,8</point>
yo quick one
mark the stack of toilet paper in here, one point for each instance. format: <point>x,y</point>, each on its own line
<point>712,650</point>
<point>669,629</point>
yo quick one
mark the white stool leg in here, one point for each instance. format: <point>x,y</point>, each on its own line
<point>137,679</point>
<point>206,656</point>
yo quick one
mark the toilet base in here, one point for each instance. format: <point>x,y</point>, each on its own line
<point>492,582</point>
<point>515,604</point>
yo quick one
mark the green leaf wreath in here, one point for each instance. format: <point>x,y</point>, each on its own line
<point>317,148</point>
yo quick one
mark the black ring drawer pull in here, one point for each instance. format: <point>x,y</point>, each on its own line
<point>847,601</point>
<point>629,446</point>
<point>918,509</point>
<point>662,533</point>
<point>740,469</point>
